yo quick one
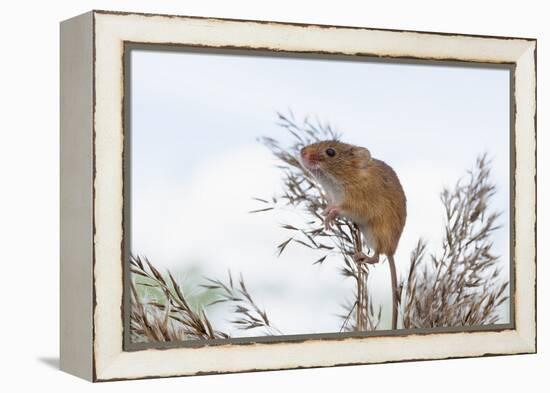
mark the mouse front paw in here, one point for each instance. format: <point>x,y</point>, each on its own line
<point>331,212</point>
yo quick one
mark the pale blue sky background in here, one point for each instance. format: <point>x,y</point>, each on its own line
<point>196,163</point>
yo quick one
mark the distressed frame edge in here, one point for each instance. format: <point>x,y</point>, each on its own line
<point>528,340</point>
<point>305,24</point>
<point>76,196</point>
<point>525,193</point>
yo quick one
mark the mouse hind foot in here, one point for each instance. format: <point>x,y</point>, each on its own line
<point>361,257</point>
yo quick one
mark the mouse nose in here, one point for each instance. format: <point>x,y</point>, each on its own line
<point>303,152</point>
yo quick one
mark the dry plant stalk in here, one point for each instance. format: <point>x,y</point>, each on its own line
<point>461,286</point>
<point>302,192</point>
<point>172,318</point>
<point>168,319</point>
<point>248,315</point>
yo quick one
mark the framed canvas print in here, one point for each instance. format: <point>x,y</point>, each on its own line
<point>246,195</point>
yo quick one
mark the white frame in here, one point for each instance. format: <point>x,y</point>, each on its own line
<point>92,167</point>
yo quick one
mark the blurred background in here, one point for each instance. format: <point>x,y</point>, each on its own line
<point>197,165</point>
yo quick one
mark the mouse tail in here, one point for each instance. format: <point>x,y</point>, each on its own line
<point>395,292</point>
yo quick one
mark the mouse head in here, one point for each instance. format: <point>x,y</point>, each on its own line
<point>334,159</point>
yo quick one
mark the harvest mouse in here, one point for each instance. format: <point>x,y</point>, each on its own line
<point>364,190</point>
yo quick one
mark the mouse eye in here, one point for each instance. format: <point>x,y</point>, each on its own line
<point>330,152</point>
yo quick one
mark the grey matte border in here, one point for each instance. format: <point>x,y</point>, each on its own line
<point>128,345</point>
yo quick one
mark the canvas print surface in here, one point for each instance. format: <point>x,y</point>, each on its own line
<point>279,195</point>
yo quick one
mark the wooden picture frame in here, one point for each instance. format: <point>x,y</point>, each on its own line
<point>93,273</point>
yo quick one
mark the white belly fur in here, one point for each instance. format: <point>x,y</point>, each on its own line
<point>333,190</point>
<point>369,238</point>
<point>334,194</point>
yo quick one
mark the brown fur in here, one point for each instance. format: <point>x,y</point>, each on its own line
<point>369,191</point>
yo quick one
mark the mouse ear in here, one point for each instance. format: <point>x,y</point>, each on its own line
<point>363,153</point>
